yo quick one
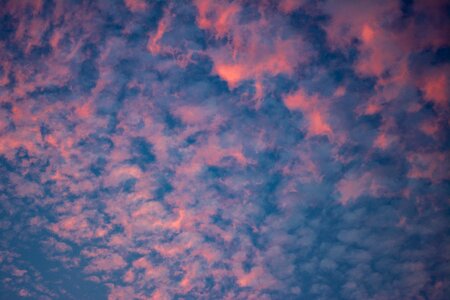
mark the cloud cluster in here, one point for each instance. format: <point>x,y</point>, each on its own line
<point>214,149</point>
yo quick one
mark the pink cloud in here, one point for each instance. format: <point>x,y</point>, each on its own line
<point>255,60</point>
<point>288,6</point>
<point>24,293</point>
<point>193,115</point>
<point>250,54</point>
<point>153,45</point>
<point>430,166</point>
<point>355,185</point>
<point>118,292</point>
<point>107,262</point>
<point>382,49</point>
<point>314,112</point>
<point>18,272</point>
<point>436,86</point>
<point>216,16</point>
<point>136,5</point>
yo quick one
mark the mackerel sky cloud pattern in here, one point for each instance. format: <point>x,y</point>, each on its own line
<point>213,149</point>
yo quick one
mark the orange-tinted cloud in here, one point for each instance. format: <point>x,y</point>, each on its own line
<point>136,5</point>
<point>153,44</point>
<point>251,54</point>
<point>288,6</point>
<point>436,86</point>
<point>314,112</point>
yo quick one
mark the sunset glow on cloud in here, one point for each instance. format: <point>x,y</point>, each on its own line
<point>219,149</point>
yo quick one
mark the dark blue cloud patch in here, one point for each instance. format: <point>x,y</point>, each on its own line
<point>142,152</point>
<point>88,75</point>
<point>8,25</point>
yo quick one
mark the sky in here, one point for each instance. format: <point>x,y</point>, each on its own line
<point>216,149</point>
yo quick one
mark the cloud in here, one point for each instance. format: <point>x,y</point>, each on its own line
<point>312,110</point>
<point>255,49</point>
<point>224,150</point>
